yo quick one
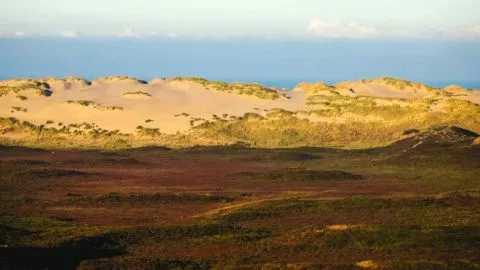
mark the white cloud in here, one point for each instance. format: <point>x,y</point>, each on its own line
<point>362,29</point>
<point>20,34</point>
<point>474,29</point>
<point>152,34</point>
<point>129,32</point>
<point>337,29</point>
<point>172,35</point>
<point>466,32</point>
<point>69,34</point>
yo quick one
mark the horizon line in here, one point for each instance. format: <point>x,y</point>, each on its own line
<point>268,82</point>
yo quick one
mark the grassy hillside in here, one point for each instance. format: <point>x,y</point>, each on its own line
<point>343,122</point>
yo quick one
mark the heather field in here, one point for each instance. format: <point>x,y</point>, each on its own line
<point>408,205</point>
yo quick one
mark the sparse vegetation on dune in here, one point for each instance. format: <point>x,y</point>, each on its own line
<point>250,89</point>
<point>61,135</point>
<point>123,79</point>
<point>318,88</point>
<point>344,122</point>
<point>150,132</point>
<point>83,135</point>
<point>349,88</point>
<point>89,103</point>
<point>18,109</point>
<point>358,122</point>
<point>330,119</point>
<point>137,93</point>
<point>401,84</point>
<point>36,88</point>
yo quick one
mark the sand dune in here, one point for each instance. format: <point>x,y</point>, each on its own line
<point>171,104</point>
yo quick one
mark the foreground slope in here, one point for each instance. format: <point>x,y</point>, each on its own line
<point>403,206</point>
<point>118,112</point>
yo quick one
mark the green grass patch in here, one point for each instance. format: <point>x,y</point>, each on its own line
<point>116,198</point>
<point>415,239</point>
<point>270,209</point>
<point>296,175</point>
<point>206,231</point>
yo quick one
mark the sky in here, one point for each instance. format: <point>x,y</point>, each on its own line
<point>280,42</point>
<point>234,18</point>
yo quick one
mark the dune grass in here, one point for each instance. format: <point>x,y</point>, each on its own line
<point>38,89</point>
<point>137,93</point>
<point>343,122</point>
<point>328,121</point>
<point>89,103</point>
<point>250,89</point>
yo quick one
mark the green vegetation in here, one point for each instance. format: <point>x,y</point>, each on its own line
<point>36,87</point>
<point>270,210</point>
<point>35,172</point>
<point>89,103</point>
<point>116,198</point>
<point>250,89</point>
<point>85,103</point>
<point>232,207</point>
<point>194,120</point>
<point>137,93</point>
<point>151,132</point>
<point>402,84</point>
<point>358,122</point>
<point>19,109</point>
<point>145,263</point>
<point>63,136</point>
<point>410,232</point>
<point>182,114</point>
<point>330,120</point>
<point>122,78</point>
<point>49,173</point>
<point>296,175</point>
<point>319,88</point>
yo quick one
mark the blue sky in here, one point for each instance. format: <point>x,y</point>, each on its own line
<point>270,19</point>
<point>276,42</point>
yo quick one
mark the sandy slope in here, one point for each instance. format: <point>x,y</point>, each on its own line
<point>167,99</point>
<point>164,100</point>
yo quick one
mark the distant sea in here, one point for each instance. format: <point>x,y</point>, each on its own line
<point>289,84</point>
<point>283,83</point>
<point>281,64</point>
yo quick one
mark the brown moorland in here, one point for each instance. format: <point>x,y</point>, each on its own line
<point>409,205</point>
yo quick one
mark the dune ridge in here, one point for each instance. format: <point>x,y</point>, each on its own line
<point>126,112</point>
